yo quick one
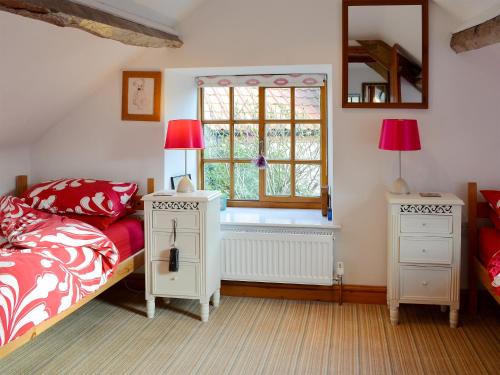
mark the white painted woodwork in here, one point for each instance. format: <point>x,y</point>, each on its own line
<point>188,244</point>
<point>185,220</point>
<point>198,240</point>
<point>278,255</point>
<point>437,250</point>
<point>423,252</point>
<point>426,224</point>
<point>429,283</point>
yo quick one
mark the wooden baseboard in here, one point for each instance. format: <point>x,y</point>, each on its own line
<point>350,293</point>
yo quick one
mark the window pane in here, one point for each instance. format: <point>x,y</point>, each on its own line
<point>278,180</point>
<point>307,180</point>
<point>216,141</point>
<point>216,103</point>
<point>217,177</point>
<point>307,141</point>
<point>307,103</point>
<point>246,181</point>
<point>278,141</point>
<point>246,141</point>
<point>246,103</point>
<point>278,104</point>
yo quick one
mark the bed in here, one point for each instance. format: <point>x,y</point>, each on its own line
<point>479,255</point>
<point>125,237</point>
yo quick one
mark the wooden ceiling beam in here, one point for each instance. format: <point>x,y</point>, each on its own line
<point>65,13</point>
<point>478,36</point>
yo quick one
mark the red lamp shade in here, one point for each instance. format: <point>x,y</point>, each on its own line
<point>399,135</point>
<point>184,135</point>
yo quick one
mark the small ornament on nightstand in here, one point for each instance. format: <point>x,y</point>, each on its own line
<point>430,195</point>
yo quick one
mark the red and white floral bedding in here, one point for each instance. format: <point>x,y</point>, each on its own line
<point>489,254</point>
<point>47,263</point>
<point>494,272</point>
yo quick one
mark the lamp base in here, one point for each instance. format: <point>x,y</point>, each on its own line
<point>400,187</point>
<point>185,185</point>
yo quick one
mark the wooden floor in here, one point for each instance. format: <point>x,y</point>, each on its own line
<point>111,335</point>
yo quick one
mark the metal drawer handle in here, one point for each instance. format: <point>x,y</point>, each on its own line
<point>424,250</point>
<point>425,283</point>
<point>424,224</point>
<point>174,278</point>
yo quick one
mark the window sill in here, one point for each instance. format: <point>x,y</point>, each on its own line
<point>275,217</point>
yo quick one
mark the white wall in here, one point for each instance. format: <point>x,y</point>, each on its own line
<point>459,132</point>
<point>14,161</point>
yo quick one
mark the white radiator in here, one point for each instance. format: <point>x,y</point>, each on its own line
<point>279,257</point>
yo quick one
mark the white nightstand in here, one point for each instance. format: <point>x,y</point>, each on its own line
<point>423,258</point>
<point>195,217</point>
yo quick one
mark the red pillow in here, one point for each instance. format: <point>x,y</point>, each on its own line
<point>495,219</point>
<point>489,243</point>
<point>493,198</point>
<point>81,196</point>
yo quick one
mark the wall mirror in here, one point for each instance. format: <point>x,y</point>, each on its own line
<point>385,54</point>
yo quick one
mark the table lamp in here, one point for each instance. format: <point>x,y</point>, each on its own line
<point>184,135</point>
<point>399,135</point>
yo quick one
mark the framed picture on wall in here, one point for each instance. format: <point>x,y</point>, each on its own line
<point>141,96</point>
<point>174,181</point>
<point>375,92</point>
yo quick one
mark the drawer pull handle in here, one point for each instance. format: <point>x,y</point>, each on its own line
<point>424,250</point>
<point>174,278</point>
<point>424,224</point>
<point>425,283</point>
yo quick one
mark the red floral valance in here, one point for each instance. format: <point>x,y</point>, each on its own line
<point>264,80</point>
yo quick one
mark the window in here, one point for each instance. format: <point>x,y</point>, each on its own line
<point>285,124</point>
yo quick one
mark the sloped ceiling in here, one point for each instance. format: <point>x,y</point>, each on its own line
<point>46,71</point>
<point>470,12</point>
<point>162,14</point>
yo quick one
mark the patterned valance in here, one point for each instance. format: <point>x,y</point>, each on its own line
<point>264,80</point>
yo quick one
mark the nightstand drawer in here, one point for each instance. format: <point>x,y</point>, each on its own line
<point>426,224</point>
<point>425,284</point>
<point>187,243</point>
<point>182,283</point>
<point>438,250</point>
<point>185,220</point>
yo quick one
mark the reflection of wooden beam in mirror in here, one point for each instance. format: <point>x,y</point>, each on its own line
<point>391,63</point>
<point>479,36</point>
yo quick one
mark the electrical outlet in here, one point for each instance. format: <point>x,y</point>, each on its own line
<point>339,268</point>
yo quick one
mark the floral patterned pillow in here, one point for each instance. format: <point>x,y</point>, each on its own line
<point>81,196</point>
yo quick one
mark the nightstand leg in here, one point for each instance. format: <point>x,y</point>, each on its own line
<point>453,318</point>
<point>204,311</point>
<point>394,315</point>
<point>216,298</point>
<point>150,304</point>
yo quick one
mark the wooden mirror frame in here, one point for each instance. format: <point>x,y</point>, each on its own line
<point>425,53</point>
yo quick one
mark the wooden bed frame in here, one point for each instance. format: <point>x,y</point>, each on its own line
<point>124,268</point>
<point>476,210</point>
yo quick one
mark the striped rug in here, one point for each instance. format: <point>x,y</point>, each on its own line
<point>111,335</point>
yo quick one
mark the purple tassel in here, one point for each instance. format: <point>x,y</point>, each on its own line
<point>260,162</point>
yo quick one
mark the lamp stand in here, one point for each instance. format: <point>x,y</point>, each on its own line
<point>185,185</point>
<point>400,186</point>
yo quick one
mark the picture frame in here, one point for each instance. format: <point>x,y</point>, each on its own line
<point>174,181</point>
<point>375,92</point>
<point>141,96</point>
